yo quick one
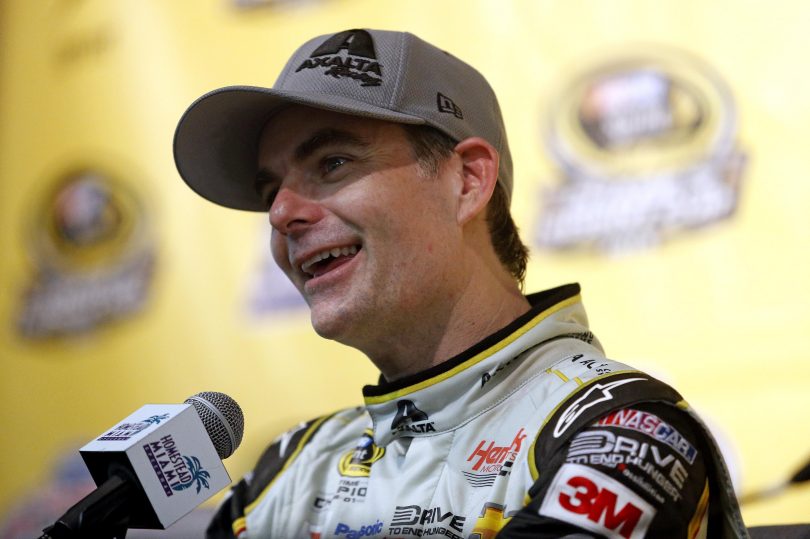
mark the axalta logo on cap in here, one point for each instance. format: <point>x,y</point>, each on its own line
<point>592,500</point>
<point>360,61</point>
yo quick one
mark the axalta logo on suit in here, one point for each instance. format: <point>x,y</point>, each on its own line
<point>409,418</point>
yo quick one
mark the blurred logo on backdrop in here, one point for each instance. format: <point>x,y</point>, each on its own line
<point>93,254</point>
<point>646,148</point>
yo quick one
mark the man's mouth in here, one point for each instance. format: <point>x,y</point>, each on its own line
<point>328,259</point>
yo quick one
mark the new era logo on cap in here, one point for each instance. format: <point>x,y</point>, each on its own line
<point>446,104</point>
<point>359,62</point>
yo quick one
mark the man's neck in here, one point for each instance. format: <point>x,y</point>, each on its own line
<point>429,341</point>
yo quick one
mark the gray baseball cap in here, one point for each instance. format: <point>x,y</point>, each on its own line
<point>393,76</point>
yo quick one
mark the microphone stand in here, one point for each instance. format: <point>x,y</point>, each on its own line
<point>102,514</point>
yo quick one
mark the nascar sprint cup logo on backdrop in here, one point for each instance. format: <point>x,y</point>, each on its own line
<point>92,250</point>
<point>646,146</point>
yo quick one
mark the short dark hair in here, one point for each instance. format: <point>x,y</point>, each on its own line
<point>430,146</point>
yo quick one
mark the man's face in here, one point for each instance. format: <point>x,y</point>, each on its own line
<point>365,234</point>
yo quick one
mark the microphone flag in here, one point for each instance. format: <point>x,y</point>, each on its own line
<point>166,449</point>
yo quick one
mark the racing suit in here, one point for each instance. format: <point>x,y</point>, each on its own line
<point>531,432</point>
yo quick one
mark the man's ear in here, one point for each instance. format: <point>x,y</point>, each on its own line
<point>479,174</point>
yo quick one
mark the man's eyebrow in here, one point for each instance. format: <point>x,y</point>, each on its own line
<point>327,137</point>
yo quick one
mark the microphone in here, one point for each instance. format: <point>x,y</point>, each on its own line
<point>154,467</point>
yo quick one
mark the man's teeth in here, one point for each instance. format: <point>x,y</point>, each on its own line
<point>323,255</point>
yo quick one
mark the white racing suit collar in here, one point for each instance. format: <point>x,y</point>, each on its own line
<point>444,397</point>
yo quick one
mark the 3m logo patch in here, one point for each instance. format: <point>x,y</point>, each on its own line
<point>594,501</point>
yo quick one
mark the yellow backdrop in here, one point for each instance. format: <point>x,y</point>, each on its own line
<point>720,311</point>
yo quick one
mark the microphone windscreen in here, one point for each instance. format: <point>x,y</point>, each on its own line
<point>222,418</point>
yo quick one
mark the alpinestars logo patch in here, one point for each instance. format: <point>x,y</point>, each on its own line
<point>411,419</point>
<point>347,54</point>
<point>596,394</point>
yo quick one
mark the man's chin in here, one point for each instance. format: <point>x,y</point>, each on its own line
<point>340,316</point>
<point>332,325</point>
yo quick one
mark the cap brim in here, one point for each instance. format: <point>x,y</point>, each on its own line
<point>216,141</point>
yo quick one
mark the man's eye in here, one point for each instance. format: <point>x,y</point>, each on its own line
<point>331,163</point>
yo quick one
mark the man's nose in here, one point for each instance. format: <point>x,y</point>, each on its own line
<point>292,211</point>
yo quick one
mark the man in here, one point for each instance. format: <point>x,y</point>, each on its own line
<point>383,164</point>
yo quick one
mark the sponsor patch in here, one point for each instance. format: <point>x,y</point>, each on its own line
<point>409,418</point>
<point>652,426</point>
<point>592,500</point>
<point>493,518</point>
<point>354,467</point>
<point>599,367</point>
<point>596,394</point>
<point>490,460</point>
<point>357,462</point>
<point>344,530</point>
<point>604,448</point>
<point>348,491</point>
<point>422,522</point>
